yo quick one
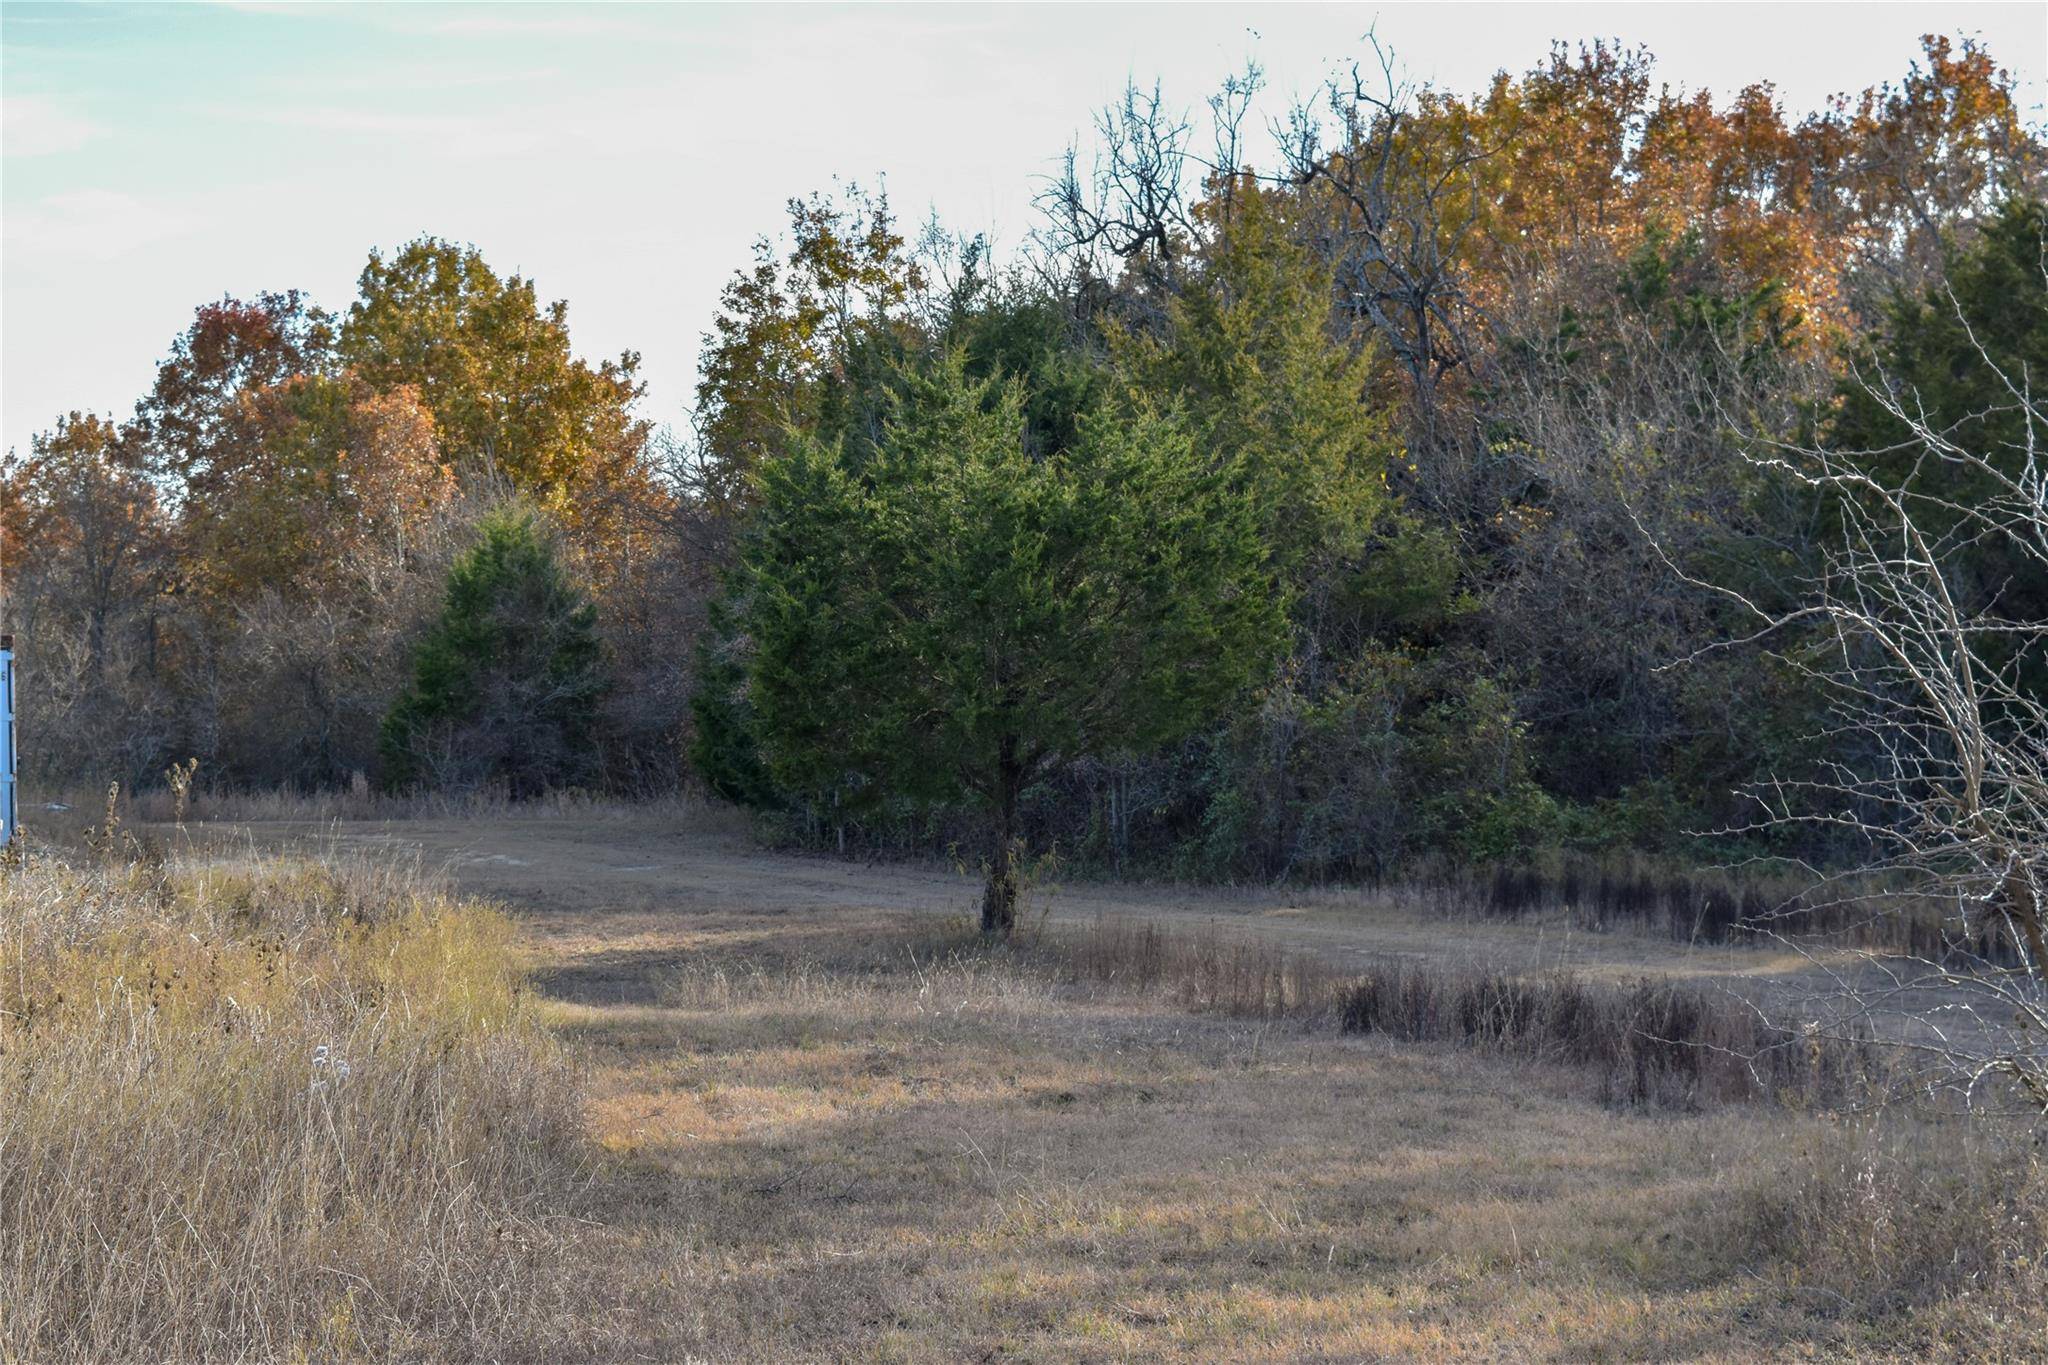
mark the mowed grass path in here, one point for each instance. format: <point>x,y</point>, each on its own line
<point>966,1162</point>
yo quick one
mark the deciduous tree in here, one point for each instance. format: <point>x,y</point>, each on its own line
<point>494,367</point>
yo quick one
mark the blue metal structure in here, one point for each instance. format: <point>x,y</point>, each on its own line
<point>7,816</point>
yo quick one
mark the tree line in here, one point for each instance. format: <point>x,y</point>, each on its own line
<point>1295,511</point>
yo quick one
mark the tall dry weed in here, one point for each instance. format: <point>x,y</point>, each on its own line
<point>267,1108</point>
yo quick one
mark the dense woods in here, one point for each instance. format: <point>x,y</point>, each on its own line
<point>1304,511</point>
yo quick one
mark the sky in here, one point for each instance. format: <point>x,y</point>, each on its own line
<point>625,157</point>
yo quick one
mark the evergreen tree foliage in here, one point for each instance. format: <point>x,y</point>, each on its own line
<point>724,749</point>
<point>959,614</point>
<point>506,682</point>
<point>1947,355</point>
<point>1246,352</point>
<point>1992,303</point>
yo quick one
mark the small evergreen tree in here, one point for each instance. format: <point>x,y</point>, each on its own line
<point>1247,355</point>
<point>506,683</point>
<point>723,745</point>
<point>956,614</point>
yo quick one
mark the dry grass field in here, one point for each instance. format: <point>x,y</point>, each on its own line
<point>748,1106</point>
<point>853,1150</point>
<point>259,1107</point>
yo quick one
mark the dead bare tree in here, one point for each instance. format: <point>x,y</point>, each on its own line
<point>1939,747</point>
<point>1406,190</point>
<point>1134,208</point>
<point>1133,203</point>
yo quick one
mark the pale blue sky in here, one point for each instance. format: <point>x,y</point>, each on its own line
<point>625,156</point>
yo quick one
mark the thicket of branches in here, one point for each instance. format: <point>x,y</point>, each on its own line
<point>1485,371</point>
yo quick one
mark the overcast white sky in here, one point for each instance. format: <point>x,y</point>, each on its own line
<point>625,156</point>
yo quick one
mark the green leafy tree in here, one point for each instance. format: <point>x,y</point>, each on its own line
<point>506,683</point>
<point>790,345</point>
<point>954,615</point>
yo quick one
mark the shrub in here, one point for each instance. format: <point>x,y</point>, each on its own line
<point>1899,1214</point>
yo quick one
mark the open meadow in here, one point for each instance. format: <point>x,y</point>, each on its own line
<point>967,682</point>
<point>615,1085</point>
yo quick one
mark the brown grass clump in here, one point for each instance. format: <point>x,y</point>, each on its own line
<point>1897,1217</point>
<point>1236,977</point>
<point>1655,1041</point>
<point>184,796</point>
<point>266,1108</point>
<point>1697,905</point>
